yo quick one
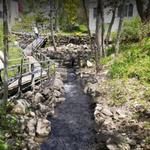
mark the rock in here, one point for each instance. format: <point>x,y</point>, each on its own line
<point>21,107</point>
<point>107,112</point>
<point>32,114</point>
<point>43,128</point>
<point>56,93</point>
<point>99,107</point>
<point>131,142</point>
<point>38,98</point>
<point>109,122</point>
<point>89,64</point>
<point>112,147</point>
<point>32,145</point>
<point>46,91</point>
<point>43,108</point>
<point>124,146</point>
<point>121,113</point>
<point>31,127</point>
<point>58,84</point>
<point>29,94</point>
<point>37,88</point>
<point>60,100</point>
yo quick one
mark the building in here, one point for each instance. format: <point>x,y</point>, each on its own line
<point>129,12</point>
<point>13,13</point>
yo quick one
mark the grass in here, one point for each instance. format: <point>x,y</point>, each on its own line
<point>132,62</point>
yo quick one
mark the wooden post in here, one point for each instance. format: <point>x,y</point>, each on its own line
<point>48,71</point>
<point>32,76</point>
<point>20,78</point>
<point>41,74</point>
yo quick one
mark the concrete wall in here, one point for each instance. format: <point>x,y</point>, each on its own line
<point>107,16</point>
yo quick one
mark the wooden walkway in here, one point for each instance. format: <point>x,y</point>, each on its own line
<point>35,72</point>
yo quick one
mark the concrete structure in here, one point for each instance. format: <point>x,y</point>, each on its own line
<point>13,12</point>
<point>130,12</point>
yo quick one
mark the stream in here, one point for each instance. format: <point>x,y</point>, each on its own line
<point>73,124</point>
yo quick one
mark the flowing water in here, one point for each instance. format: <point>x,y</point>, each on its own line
<point>73,126</point>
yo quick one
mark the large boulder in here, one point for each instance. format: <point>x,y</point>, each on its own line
<point>43,128</point>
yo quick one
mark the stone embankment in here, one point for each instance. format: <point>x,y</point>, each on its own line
<point>122,122</point>
<point>32,111</point>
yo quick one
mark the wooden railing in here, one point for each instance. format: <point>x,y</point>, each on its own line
<point>25,75</point>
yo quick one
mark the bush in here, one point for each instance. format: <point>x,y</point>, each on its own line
<point>131,30</point>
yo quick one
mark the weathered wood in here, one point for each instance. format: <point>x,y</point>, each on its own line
<point>48,71</point>
<point>32,78</point>
<point>20,78</point>
<point>41,74</point>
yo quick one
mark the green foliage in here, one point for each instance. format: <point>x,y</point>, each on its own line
<point>70,11</point>
<point>7,123</point>
<point>25,24</point>
<point>131,30</point>
<point>1,36</point>
<point>133,62</point>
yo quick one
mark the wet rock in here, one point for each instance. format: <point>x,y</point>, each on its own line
<point>43,128</point>
<point>31,127</point>
<point>21,107</point>
<point>38,98</point>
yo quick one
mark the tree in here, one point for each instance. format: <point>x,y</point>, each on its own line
<point>87,22</point>
<point>143,7</point>
<point>52,22</point>
<point>99,32</point>
<point>113,6</point>
<point>118,38</point>
<point>5,43</point>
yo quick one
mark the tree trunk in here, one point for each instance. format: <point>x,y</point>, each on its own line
<point>110,26</point>
<point>143,7</point>
<point>99,33</point>
<point>118,38</point>
<point>56,20</point>
<point>103,28</point>
<point>5,42</point>
<point>87,22</point>
<point>51,25</point>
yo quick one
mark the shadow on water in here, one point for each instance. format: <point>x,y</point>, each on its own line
<point>73,125</point>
